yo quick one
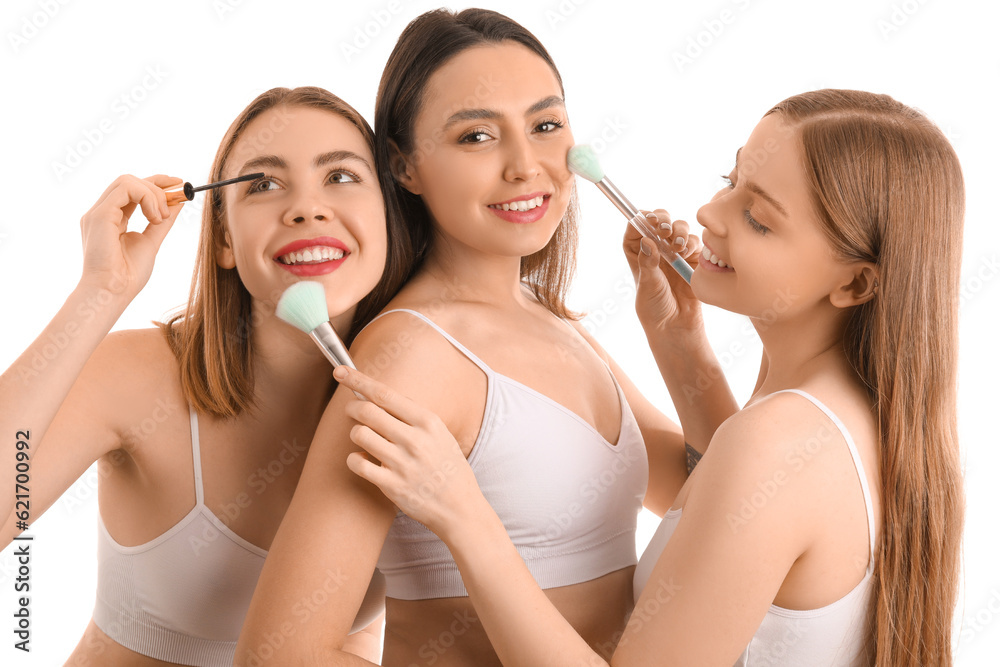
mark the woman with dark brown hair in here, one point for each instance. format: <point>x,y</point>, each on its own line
<point>823,525</point>
<point>200,426</point>
<point>471,139</point>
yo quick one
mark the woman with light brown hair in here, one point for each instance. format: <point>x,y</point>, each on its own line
<point>823,525</point>
<point>200,427</point>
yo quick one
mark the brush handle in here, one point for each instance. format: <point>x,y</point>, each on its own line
<point>638,220</point>
<point>331,345</point>
<point>333,348</point>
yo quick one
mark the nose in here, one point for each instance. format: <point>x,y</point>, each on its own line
<point>308,205</point>
<point>521,162</point>
<point>712,215</point>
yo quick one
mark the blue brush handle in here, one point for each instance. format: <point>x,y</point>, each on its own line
<point>638,220</point>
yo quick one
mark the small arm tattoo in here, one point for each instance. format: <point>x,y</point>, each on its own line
<point>693,456</point>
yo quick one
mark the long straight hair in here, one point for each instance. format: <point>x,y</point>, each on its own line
<point>212,337</point>
<point>889,189</point>
<point>426,44</point>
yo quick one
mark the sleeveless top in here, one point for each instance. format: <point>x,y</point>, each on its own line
<point>182,597</point>
<point>568,498</point>
<point>831,635</point>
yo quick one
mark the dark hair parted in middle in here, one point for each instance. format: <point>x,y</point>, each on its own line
<point>426,44</point>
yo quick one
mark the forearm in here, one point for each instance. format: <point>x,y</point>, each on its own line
<point>35,386</point>
<point>697,385</point>
<point>523,625</point>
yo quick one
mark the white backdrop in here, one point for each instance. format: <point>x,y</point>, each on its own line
<point>667,94</point>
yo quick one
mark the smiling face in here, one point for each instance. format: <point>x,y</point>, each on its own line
<point>317,214</point>
<point>489,158</point>
<point>771,256</point>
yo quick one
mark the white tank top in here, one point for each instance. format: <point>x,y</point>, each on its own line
<point>833,635</point>
<point>182,597</point>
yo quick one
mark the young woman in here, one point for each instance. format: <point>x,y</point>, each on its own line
<point>474,132</point>
<point>823,525</point>
<point>201,426</point>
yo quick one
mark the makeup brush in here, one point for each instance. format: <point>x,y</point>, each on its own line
<point>303,305</point>
<point>189,190</point>
<point>583,161</point>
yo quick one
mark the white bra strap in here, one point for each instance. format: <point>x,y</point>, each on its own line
<point>199,489</point>
<point>447,336</point>
<point>858,466</point>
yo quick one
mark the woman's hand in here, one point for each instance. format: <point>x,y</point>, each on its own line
<point>664,301</point>
<point>423,470</point>
<point>115,258</point>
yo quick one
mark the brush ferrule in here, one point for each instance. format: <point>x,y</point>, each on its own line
<point>612,192</point>
<point>331,345</point>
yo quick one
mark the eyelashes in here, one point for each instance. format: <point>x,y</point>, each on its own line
<point>754,225</point>
<point>469,137</point>
<point>336,176</point>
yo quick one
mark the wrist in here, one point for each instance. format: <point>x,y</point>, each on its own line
<point>96,298</point>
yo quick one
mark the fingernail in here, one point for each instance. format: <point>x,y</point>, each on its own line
<point>666,226</point>
<point>680,242</point>
<point>650,216</point>
<point>644,248</point>
<point>340,372</point>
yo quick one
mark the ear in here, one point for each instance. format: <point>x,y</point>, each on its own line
<point>224,256</point>
<point>860,286</point>
<point>404,170</point>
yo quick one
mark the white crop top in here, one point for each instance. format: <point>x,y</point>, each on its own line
<point>568,498</point>
<point>182,597</point>
<point>834,635</point>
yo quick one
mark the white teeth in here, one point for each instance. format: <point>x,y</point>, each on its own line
<point>312,255</point>
<point>522,205</point>
<point>707,254</point>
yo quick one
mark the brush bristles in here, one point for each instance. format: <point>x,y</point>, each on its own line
<point>303,305</point>
<point>583,161</point>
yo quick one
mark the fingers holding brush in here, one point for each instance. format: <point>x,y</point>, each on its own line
<point>664,300</point>
<point>113,256</point>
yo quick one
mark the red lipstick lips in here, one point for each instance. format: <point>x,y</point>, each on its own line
<point>321,264</point>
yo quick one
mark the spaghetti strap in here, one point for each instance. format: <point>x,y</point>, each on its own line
<point>199,488</point>
<point>461,348</point>
<point>859,467</point>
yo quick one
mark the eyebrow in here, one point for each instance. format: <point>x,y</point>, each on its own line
<point>757,190</point>
<point>275,162</point>
<point>272,161</point>
<point>340,156</point>
<point>492,114</point>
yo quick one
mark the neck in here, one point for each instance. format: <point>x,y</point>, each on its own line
<point>290,372</point>
<point>471,275</point>
<point>800,347</point>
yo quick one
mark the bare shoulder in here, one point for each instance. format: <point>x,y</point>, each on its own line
<point>781,442</point>
<point>131,372</point>
<point>770,430</point>
<point>587,336</point>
